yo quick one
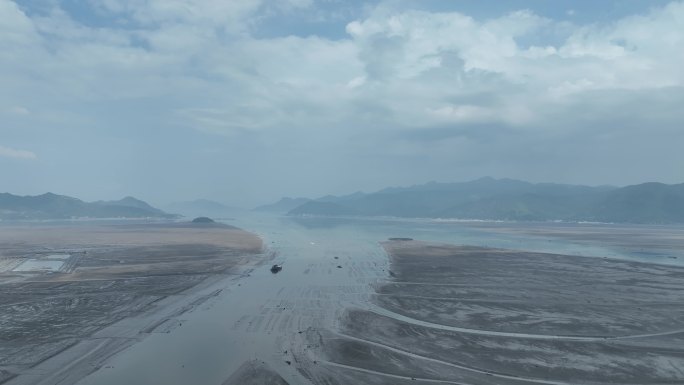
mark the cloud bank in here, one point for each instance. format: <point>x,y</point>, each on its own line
<point>439,94</point>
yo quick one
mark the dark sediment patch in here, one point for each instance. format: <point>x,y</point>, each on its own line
<point>255,372</point>
<point>523,292</point>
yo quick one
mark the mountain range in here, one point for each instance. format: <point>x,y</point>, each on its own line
<point>508,199</point>
<point>53,206</point>
<point>485,199</point>
<point>284,205</point>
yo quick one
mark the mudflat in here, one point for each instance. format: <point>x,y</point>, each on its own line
<point>255,372</point>
<point>62,284</point>
<point>475,315</point>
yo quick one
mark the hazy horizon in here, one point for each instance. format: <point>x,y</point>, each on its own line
<point>165,204</point>
<point>246,102</point>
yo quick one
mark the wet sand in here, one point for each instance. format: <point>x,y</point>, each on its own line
<point>348,310</point>
<point>474,315</point>
<point>255,372</point>
<point>661,244</point>
<point>261,318</point>
<point>110,286</point>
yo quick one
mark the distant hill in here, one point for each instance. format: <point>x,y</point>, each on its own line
<point>53,206</point>
<point>203,220</point>
<point>283,206</point>
<point>202,208</point>
<point>134,203</point>
<point>643,203</point>
<point>507,199</point>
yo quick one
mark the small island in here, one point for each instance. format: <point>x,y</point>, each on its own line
<point>203,220</point>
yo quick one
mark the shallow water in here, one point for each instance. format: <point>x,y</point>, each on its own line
<point>58,256</point>
<point>39,265</point>
<point>260,316</point>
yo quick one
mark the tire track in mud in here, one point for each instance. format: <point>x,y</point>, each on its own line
<point>390,375</point>
<point>457,366</point>
<point>491,333</point>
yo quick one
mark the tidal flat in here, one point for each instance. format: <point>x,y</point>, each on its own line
<point>83,278</point>
<point>515,307</point>
<point>476,315</point>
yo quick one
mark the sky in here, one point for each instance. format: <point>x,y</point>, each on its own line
<point>245,101</point>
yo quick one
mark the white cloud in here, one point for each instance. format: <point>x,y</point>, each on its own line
<point>200,64</point>
<point>464,113</point>
<point>400,96</point>
<point>357,82</point>
<point>229,14</point>
<point>410,62</point>
<point>18,110</point>
<point>8,152</point>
